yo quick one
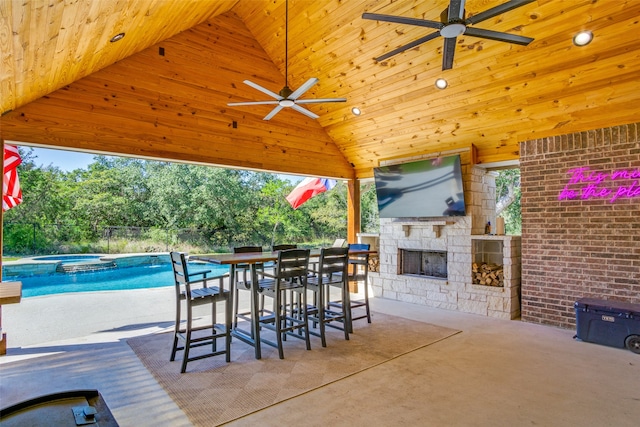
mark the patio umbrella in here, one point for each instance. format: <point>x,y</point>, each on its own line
<point>11,192</point>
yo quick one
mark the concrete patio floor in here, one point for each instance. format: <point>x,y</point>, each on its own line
<point>494,373</point>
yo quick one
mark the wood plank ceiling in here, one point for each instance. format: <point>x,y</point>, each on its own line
<point>162,91</point>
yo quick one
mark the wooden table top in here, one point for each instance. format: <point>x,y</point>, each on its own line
<point>10,292</point>
<point>256,257</point>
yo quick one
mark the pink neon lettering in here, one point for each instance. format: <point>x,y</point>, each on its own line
<point>566,194</point>
<point>579,175</point>
<point>591,191</point>
<point>591,179</point>
<point>627,192</point>
<point>625,174</point>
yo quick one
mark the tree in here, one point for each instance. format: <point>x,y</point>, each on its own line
<point>508,199</point>
<point>112,192</point>
<point>370,218</point>
<point>217,207</point>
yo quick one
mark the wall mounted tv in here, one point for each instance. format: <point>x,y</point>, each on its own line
<point>423,189</point>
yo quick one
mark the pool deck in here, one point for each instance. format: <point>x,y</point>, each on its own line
<point>495,373</point>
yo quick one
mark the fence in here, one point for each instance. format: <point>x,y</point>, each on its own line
<point>35,239</point>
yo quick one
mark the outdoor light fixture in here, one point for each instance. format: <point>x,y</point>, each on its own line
<point>356,111</point>
<point>583,38</point>
<point>117,37</point>
<point>441,83</point>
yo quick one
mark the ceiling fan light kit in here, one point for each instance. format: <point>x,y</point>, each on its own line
<point>453,24</point>
<point>287,98</point>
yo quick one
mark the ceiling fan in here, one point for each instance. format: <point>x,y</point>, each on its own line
<point>287,97</point>
<point>453,24</point>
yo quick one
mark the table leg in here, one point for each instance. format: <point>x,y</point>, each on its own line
<point>232,291</point>
<point>3,337</point>
<point>255,311</point>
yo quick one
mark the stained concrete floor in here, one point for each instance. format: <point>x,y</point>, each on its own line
<point>494,373</point>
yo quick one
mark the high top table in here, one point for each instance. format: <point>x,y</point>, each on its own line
<point>252,259</point>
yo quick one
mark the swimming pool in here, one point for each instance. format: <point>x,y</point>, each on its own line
<point>148,276</point>
<point>68,259</point>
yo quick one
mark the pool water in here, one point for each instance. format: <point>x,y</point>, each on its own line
<point>153,276</point>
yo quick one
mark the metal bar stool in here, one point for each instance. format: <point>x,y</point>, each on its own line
<point>192,289</point>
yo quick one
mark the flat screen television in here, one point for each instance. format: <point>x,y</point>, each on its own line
<point>423,189</point>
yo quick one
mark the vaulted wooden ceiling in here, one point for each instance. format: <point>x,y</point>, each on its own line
<point>162,91</point>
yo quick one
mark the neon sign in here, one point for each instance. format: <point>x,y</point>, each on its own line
<point>588,184</point>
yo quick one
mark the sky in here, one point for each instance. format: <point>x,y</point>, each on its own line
<point>71,160</point>
<point>64,160</point>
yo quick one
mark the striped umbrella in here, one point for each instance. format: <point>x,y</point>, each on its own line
<point>11,192</point>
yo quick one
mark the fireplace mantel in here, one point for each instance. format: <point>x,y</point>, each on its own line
<point>435,224</point>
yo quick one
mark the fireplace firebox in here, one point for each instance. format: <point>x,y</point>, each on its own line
<point>422,263</point>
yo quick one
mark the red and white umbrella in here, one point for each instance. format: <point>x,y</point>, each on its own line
<point>11,192</point>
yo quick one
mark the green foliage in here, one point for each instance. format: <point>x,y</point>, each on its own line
<point>184,207</point>
<point>370,218</point>
<point>508,196</point>
<point>173,206</point>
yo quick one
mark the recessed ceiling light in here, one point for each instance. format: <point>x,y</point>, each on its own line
<point>356,111</point>
<point>117,37</point>
<point>441,83</point>
<point>583,38</point>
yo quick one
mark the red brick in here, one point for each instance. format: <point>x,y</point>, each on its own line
<point>577,248</point>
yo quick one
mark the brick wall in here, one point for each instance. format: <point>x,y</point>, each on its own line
<point>576,241</point>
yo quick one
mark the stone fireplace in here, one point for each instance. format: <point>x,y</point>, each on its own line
<point>431,261</point>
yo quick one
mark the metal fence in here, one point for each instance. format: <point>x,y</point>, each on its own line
<point>36,239</point>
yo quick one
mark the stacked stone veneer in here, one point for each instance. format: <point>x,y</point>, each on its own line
<point>578,247</point>
<point>453,235</point>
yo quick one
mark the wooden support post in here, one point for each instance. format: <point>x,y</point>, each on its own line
<point>353,210</point>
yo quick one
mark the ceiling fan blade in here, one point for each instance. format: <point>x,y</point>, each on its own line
<point>263,90</point>
<point>235,104</point>
<point>456,10</point>
<point>448,53</point>
<point>408,46</point>
<point>498,10</point>
<point>403,20</point>
<point>320,100</point>
<point>273,112</point>
<point>304,111</point>
<point>496,35</point>
<point>302,89</point>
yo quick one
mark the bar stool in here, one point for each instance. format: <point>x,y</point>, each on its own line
<point>193,296</point>
<point>290,275</point>
<point>358,272</point>
<point>332,271</point>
